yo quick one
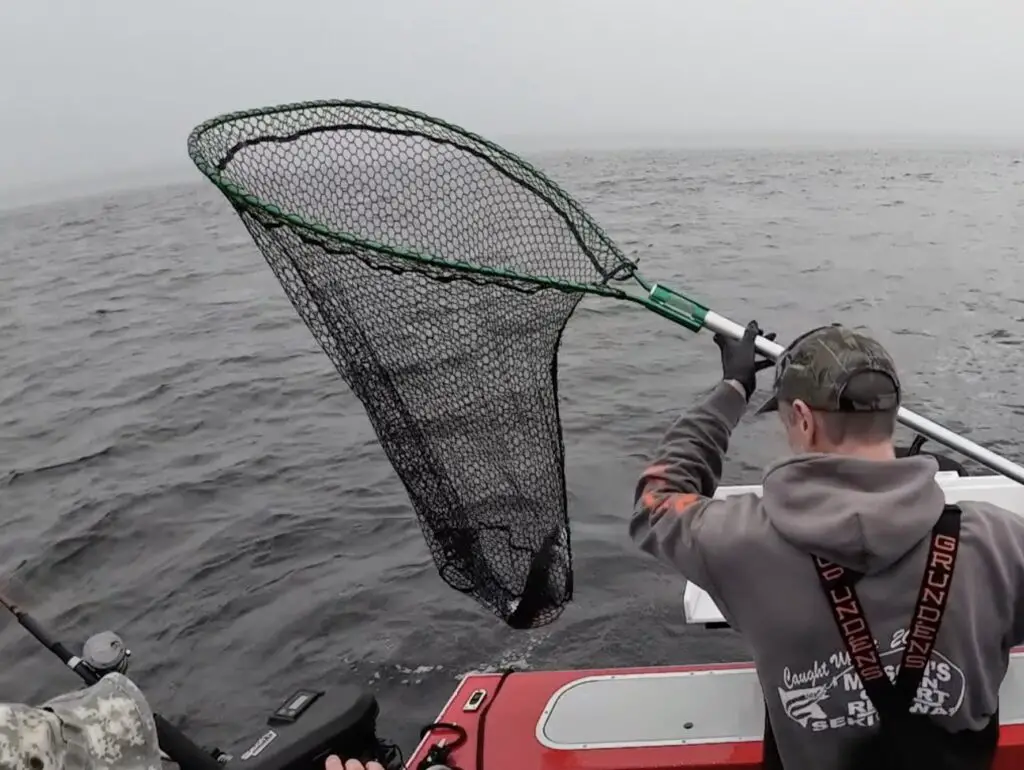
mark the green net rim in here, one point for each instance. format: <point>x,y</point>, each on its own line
<point>241,197</point>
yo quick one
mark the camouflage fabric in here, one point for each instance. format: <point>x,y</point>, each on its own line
<point>818,366</point>
<point>108,726</point>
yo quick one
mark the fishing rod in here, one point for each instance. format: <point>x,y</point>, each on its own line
<point>307,727</point>
<point>105,653</point>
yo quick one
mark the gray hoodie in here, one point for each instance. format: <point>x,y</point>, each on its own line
<point>751,554</point>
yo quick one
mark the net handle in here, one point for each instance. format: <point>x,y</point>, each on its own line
<point>925,427</point>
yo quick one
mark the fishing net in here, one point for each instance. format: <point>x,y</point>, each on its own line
<point>437,271</point>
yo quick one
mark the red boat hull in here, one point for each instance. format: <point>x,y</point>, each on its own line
<point>524,722</point>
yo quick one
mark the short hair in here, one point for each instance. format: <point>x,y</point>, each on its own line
<point>860,427</point>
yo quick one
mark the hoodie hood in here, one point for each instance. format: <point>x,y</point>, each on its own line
<point>862,514</point>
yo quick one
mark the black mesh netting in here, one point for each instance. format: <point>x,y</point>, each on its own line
<point>357,207</point>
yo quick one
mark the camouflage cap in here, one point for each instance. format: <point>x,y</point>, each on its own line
<point>820,366</point>
<point>108,726</point>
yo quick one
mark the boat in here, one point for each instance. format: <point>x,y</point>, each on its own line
<point>638,718</point>
<point>656,718</point>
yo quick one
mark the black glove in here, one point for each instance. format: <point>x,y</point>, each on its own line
<point>739,358</point>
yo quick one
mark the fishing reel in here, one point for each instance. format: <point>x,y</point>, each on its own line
<point>105,653</point>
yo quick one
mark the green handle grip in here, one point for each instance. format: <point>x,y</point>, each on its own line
<point>677,307</point>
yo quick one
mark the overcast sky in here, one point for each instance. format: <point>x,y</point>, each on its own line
<point>93,87</point>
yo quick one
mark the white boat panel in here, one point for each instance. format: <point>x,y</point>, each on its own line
<point>646,710</point>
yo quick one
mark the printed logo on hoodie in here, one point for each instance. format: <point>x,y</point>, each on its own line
<point>828,695</point>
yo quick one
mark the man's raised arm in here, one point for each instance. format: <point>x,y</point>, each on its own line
<point>674,494</point>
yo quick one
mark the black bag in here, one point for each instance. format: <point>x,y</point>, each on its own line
<point>907,741</point>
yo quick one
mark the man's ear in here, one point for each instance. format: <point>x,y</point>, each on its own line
<point>802,416</point>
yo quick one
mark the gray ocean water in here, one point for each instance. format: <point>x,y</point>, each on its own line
<point>180,462</point>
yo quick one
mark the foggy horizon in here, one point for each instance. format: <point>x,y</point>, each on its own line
<point>93,93</point>
<point>182,171</point>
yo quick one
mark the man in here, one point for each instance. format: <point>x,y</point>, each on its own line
<point>842,520</point>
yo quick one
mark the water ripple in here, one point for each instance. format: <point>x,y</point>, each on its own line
<point>181,462</point>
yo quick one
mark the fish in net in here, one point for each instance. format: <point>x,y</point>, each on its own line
<point>438,272</point>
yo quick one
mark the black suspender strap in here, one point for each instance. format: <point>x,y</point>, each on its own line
<point>893,702</point>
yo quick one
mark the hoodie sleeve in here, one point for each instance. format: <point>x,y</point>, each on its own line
<point>674,493</point>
